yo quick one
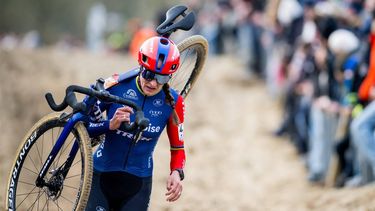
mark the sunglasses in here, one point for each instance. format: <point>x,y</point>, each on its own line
<point>149,76</point>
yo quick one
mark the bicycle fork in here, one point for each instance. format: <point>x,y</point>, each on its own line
<point>58,175</point>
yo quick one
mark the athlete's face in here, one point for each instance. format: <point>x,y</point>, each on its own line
<point>150,87</point>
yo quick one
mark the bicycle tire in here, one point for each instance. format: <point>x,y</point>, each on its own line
<point>186,76</point>
<point>23,194</point>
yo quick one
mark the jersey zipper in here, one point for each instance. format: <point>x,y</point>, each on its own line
<point>133,142</point>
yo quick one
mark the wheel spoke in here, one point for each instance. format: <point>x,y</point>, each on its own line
<point>22,194</point>
<point>57,161</point>
<point>53,138</point>
<point>72,202</point>
<point>57,204</point>
<point>68,186</point>
<point>76,162</point>
<point>30,170</point>
<point>41,160</point>
<point>45,204</point>
<point>76,175</point>
<point>191,60</point>
<point>27,183</point>
<point>183,61</point>
<point>37,149</point>
<point>26,197</point>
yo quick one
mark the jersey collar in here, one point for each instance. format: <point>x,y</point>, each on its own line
<point>138,86</point>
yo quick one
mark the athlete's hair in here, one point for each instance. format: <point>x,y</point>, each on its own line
<point>171,102</point>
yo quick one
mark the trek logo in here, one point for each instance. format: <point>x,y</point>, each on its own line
<point>131,94</point>
<point>130,135</point>
<point>158,102</point>
<point>155,113</point>
<point>99,151</point>
<point>150,129</point>
<point>100,124</point>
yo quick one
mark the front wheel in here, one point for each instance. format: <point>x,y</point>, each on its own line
<point>193,54</point>
<point>63,192</point>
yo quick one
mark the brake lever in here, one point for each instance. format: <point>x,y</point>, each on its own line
<point>99,86</point>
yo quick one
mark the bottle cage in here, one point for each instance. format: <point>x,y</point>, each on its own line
<point>169,26</point>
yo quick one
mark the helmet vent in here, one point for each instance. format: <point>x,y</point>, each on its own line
<point>173,66</point>
<point>160,60</point>
<point>164,41</point>
<point>144,58</point>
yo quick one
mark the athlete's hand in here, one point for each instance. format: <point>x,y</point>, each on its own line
<point>121,115</point>
<point>174,187</point>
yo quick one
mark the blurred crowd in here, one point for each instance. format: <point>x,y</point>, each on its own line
<point>328,74</point>
<point>317,56</point>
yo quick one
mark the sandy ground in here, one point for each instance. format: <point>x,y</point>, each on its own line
<point>233,163</point>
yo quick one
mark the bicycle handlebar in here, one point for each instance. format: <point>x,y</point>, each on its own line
<point>100,93</point>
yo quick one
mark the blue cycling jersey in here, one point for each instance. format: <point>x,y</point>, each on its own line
<point>118,152</point>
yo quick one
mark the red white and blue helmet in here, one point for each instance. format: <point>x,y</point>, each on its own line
<point>159,55</point>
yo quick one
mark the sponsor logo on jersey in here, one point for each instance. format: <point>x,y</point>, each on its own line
<point>152,129</point>
<point>99,151</point>
<point>100,208</point>
<point>131,94</point>
<point>130,135</point>
<point>154,113</point>
<point>181,132</point>
<point>100,124</point>
<point>158,102</point>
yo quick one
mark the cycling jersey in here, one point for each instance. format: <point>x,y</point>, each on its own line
<point>118,152</point>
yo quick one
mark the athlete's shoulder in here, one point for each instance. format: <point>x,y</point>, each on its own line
<point>120,78</point>
<point>174,93</point>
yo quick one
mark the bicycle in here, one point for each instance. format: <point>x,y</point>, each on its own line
<point>53,166</point>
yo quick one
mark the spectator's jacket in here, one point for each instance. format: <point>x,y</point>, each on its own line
<point>369,81</point>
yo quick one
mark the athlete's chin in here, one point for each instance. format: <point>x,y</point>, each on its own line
<point>150,92</point>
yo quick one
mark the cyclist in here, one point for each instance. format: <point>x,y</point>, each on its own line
<point>122,167</point>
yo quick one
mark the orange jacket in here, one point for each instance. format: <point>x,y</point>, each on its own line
<point>138,38</point>
<point>369,81</point>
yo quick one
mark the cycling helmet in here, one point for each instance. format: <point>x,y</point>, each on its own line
<point>159,55</point>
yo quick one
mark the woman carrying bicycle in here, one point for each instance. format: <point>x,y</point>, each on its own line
<point>123,163</point>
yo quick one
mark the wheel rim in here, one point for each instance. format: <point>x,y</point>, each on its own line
<point>58,195</point>
<point>184,78</point>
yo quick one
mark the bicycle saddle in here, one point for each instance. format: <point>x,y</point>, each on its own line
<point>185,23</point>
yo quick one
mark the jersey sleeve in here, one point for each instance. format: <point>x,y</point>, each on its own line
<point>97,123</point>
<point>176,136</point>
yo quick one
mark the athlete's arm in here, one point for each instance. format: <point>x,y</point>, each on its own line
<point>176,137</point>
<point>97,124</point>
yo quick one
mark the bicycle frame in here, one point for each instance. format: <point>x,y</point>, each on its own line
<point>56,148</point>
